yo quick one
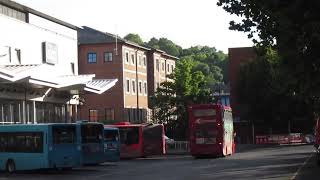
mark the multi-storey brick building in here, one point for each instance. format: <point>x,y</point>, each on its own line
<point>160,65</point>
<point>140,71</point>
<point>110,56</point>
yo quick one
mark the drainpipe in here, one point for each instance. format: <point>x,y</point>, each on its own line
<point>137,85</point>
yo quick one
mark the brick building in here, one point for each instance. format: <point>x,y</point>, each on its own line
<point>160,65</point>
<point>236,57</point>
<point>138,69</point>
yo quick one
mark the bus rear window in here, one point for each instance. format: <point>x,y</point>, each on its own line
<point>204,112</point>
<point>129,135</point>
<point>64,135</point>
<point>111,135</point>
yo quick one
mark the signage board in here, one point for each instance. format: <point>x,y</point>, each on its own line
<point>50,53</point>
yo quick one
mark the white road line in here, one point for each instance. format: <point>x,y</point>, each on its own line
<point>304,163</point>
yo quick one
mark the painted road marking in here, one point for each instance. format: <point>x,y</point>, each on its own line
<point>304,163</point>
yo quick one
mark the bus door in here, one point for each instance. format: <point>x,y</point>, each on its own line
<point>63,151</point>
<point>112,144</point>
<point>228,140</point>
<point>153,140</point>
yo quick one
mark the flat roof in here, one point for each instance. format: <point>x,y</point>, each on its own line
<point>23,8</point>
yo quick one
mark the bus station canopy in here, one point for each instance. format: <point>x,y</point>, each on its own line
<point>45,75</point>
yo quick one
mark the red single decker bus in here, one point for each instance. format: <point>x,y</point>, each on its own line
<point>211,130</point>
<point>141,140</point>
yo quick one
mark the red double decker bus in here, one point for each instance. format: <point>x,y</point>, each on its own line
<point>141,140</point>
<point>211,130</point>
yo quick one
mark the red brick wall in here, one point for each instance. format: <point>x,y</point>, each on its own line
<point>113,98</point>
<point>236,57</point>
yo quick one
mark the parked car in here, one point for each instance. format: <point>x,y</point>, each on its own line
<point>309,138</point>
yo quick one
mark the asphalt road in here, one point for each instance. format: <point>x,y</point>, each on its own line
<point>281,162</point>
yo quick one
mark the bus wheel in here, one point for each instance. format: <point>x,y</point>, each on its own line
<point>11,167</point>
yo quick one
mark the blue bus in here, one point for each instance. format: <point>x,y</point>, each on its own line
<point>111,144</point>
<point>90,139</point>
<point>38,146</point>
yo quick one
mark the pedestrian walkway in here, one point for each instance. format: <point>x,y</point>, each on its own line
<point>309,171</point>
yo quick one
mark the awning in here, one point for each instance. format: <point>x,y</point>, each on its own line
<point>100,85</point>
<point>44,75</point>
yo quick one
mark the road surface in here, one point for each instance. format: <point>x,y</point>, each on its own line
<point>280,162</point>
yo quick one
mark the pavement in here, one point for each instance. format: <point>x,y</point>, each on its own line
<point>310,170</point>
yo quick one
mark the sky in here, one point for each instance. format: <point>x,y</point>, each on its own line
<point>185,22</point>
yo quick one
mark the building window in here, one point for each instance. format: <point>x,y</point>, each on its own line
<point>140,87</point>
<point>72,68</point>
<point>144,61</point>
<point>139,60</point>
<point>107,56</point>
<point>157,85</point>
<point>128,85</point>
<point>132,59</point>
<point>109,114</point>
<point>168,66</point>
<point>133,83</point>
<point>162,64</point>
<point>145,88</point>
<point>127,57</point>
<point>18,55</point>
<point>13,13</point>
<point>93,115</point>
<point>172,68</point>
<point>92,58</point>
<point>157,64</point>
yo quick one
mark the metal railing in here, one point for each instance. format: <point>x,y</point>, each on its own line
<point>178,147</point>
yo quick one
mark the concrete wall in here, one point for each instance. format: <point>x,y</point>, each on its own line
<point>28,38</point>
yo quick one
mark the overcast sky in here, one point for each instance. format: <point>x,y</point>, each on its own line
<point>185,22</point>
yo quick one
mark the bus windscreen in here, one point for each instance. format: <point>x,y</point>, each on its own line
<point>206,133</point>
<point>111,135</point>
<point>91,133</point>
<point>204,112</point>
<point>64,134</point>
<point>129,135</point>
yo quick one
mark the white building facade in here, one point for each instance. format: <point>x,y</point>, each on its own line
<point>39,80</point>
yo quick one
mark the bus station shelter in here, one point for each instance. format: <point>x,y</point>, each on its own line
<point>31,94</point>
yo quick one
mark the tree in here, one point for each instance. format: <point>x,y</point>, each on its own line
<point>262,91</point>
<point>206,56</point>
<point>154,43</point>
<point>166,45</point>
<point>134,38</point>
<point>290,27</point>
<point>173,97</point>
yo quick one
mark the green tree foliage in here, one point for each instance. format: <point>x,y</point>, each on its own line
<point>207,57</point>
<point>292,28</point>
<point>264,97</point>
<point>166,45</point>
<point>134,38</point>
<point>173,97</point>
